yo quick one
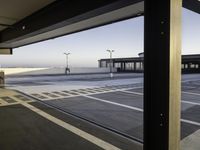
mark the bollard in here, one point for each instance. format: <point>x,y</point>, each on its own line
<point>2,78</point>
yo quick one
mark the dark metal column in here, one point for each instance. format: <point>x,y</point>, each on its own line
<point>124,64</point>
<point>162,74</point>
<point>140,65</point>
<point>135,66</point>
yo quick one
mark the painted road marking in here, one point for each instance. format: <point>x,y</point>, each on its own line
<point>60,93</point>
<point>191,93</point>
<point>127,106</point>
<point>114,103</point>
<point>190,122</point>
<point>50,94</point>
<point>190,80</point>
<point>182,101</point>
<point>14,98</point>
<point>39,96</point>
<point>21,97</point>
<point>130,92</point>
<point>71,93</point>
<point>8,99</point>
<point>193,103</point>
<point>187,86</point>
<point>134,108</point>
<point>77,131</point>
<point>183,120</point>
<point>76,94</point>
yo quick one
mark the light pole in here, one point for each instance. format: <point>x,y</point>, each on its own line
<point>111,72</point>
<point>67,65</point>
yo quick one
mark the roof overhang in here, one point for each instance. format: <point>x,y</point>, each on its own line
<point>63,17</point>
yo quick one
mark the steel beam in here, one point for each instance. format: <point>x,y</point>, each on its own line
<point>63,13</point>
<point>64,17</point>
<point>162,74</point>
<point>193,5</point>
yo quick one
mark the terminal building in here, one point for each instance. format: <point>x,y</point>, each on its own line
<point>190,63</point>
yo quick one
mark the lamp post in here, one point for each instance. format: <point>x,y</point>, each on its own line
<point>67,65</point>
<point>111,72</point>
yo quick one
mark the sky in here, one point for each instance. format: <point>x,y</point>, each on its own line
<point>87,47</point>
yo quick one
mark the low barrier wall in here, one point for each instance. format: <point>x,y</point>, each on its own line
<point>52,71</point>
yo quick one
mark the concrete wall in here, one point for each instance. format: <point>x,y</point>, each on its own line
<point>51,71</point>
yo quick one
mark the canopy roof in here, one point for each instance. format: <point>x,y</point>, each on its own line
<point>24,22</point>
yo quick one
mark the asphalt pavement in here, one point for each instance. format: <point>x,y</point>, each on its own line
<point>114,106</point>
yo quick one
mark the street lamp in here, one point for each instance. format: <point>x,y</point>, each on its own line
<point>111,72</point>
<point>67,66</point>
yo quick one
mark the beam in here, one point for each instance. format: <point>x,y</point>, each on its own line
<point>65,17</point>
<point>193,5</point>
<point>162,74</point>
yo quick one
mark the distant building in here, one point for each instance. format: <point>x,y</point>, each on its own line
<point>190,63</point>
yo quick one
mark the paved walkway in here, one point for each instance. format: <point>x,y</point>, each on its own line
<point>29,125</point>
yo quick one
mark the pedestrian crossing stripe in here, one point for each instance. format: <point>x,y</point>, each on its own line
<point>54,95</point>
<point>13,100</point>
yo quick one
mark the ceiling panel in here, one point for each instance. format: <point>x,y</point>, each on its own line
<point>12,11</point>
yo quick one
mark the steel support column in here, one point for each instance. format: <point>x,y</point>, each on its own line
<point>135,66</point>
<point>162,74</point>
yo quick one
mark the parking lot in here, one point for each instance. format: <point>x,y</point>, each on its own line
<point>114,105</point>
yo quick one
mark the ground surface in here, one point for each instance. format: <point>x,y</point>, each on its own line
<point>109,109</point>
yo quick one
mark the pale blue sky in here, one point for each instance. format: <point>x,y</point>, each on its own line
<point>86,47</point>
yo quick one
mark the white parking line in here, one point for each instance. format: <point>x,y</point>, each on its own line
<point>77,131</point>
<point>189,80</point>
<point>130,92</point>
<point>131,107</point>
<point>191,93</point>
<point>190,122</point>
<point>183,120</point>
<point>187,102</point>
<point>193,103</point>
<point>113,103</point>
<point>188,86</point>
<point>134,108</point>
